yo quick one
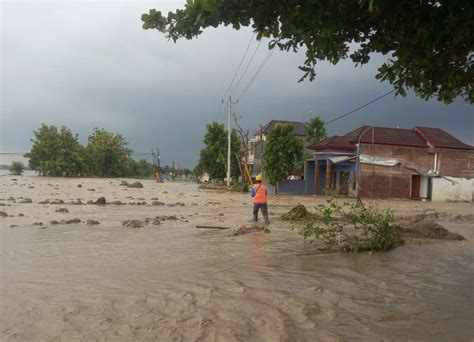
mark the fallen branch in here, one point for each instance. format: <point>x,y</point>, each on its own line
<point>212,227</point>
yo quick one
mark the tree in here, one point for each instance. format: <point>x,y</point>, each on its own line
<point>108,155</point>
<point>213,158</point>
<point>56,152</point>
<point>17,168</point>
<point>428,44</point>
<point>283,151</point>
<point>141,168</point>
<point>315,130</point>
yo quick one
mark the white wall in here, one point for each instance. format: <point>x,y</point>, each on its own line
<point>454,189</point>
<point>424,187</point>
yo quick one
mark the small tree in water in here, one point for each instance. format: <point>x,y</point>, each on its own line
<point>352,227</point>
<point>17,168</point>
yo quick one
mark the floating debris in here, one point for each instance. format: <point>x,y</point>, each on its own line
<point>135,185</point>
<point>247,230</point>
<point>92,222</point>
<point>298,213</point>
<point>430,230</point>
<point>133,223</point>
<point>62,210</point>
<point>100,201</point>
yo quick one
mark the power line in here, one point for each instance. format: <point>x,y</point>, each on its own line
<point>358,108</point>
<point>260,67</point>
<point>246,68</point>
<point>240,65</point>
<point>218,117</point>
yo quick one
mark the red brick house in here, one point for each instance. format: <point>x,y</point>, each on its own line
<point>384,162</point>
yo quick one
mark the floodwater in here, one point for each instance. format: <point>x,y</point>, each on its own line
<point>173,282</point>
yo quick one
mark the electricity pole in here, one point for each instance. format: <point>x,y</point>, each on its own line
<point>230,103</point>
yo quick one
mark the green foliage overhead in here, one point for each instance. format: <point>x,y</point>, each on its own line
<point>213,158</point>
<point>108,155</point>
<point>56,152</point>
<point>17,168</point>
<point>315,130</point>
<point>283,151</point>
<point>429,44</point>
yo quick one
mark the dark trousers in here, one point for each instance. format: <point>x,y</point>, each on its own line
<point>263,207</point>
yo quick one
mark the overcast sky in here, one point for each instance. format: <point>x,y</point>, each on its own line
<point>88,64</point>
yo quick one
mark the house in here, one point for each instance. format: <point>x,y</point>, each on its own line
<point>257,143</point>
<point>382,162</point>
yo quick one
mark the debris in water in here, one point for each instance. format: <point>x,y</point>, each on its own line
<point>3,214</point>
<point>74,220</point>
<point>135,185</point>
<point>26,200</point>
<point>468,217</point>
<point>79,185</point>
<point>296,214</point>
<point>133,223</point>
<point>101,201</point>
<point>430,230</point>
<point>92,222</point>
<point>157,203</point>
<point>247,230</point>
<point>37,223</point>
<point>62,210</point>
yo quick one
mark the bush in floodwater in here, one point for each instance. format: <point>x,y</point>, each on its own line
<point>353,227</point>
<point>17,168</point>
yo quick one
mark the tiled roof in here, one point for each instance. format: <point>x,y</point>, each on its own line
<point>334,142</point>
<point>387,136</point>
<point>417,137</point>
<point>439,138</point>
<point>298,127</point>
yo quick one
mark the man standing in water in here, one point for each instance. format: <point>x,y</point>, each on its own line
<point>259,194</point>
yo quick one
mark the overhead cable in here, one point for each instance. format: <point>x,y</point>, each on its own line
<point>246,68</point>
<point>358,108</point>
<point>260,67</point>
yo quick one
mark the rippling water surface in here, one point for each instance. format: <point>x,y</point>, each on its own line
<point>175,282</point>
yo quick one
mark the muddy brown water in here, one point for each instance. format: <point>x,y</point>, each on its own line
<point>174,282</point>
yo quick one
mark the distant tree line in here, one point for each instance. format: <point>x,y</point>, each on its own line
<point>57,152</point>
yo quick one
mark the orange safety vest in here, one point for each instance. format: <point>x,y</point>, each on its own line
<point>260,193</point>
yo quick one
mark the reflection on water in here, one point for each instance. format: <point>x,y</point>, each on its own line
<point>174,283</point>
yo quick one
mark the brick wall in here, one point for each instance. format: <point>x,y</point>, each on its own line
<point>395,182</point>
<point>456,163</point>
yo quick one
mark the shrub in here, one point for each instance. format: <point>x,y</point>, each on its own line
<point>353,227</point>
<point>17,168</point>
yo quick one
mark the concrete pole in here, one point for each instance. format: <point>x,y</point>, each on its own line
<point>228,141</point>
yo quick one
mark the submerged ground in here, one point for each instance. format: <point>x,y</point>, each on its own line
<point>171,281</point>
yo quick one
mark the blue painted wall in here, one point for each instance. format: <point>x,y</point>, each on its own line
<point>292,187</point>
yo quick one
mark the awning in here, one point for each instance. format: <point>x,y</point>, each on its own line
<point>375,160</point>
<point>414,167</point>
<point>341,159</point>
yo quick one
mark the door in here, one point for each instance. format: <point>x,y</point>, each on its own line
<point>415,186</point>
<point>344,183</point>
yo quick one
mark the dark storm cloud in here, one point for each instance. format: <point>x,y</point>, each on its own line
<point>89,64</point>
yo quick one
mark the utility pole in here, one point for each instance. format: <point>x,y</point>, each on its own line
<point>230,103</point>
